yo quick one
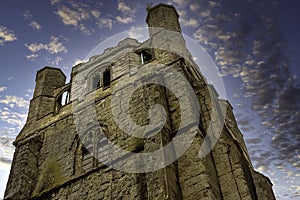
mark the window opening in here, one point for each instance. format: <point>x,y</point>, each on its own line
<point>62,100</point>
<point>65,98</point>
<point>96,82</point>
<point>106,77</point>
<point>145,57</point>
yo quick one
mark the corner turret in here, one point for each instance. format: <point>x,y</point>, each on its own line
<point>162,16</point>
<point>47,80</point>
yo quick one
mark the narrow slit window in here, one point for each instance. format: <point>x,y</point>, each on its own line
<point>65,98</point>
<point>106,77</point>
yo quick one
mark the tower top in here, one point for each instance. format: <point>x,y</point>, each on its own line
<point>163,16</point>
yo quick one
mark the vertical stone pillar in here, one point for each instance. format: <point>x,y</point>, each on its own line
<point>42,103</point>
<point>24,170</point>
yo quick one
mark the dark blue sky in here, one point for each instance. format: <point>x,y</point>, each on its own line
<point>255,45</point>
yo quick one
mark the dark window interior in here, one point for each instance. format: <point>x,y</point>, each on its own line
<point>96,82</point>
<point>146,56</point>
<point>106,77</point>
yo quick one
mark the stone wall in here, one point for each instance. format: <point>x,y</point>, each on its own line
<point>63,154</point>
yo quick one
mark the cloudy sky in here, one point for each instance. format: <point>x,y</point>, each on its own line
<point>253,43</point>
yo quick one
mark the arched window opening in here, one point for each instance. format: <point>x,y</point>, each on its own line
<point>94,148</point>
<point>106,77</point>
<point>65,98</point>
<point>95,81</point>
<point>62,100</point>
<point>146,56</point>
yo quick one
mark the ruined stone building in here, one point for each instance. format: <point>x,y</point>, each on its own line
<point>76,143</point>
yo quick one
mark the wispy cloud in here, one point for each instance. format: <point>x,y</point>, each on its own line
<point>194,7</point>
<point>53,47</point>
<point>128,13</point>
<point>69,16</point>
<point>7,149</point>
<point>124,20</point>
<point>6,35</point>
<point>32,56</point>
<point>27,15</point>
<point>35,47</point>
<point>56,60</point>
<point>55,1</point>
<point>80,14</point>
<point>192,22</point>
<point>3,88</point>
<point>35,25</point>
<point>178,2</point>
<point>84,30</point>
<point>139,32</point>
<point>96,13</point>
<point>7,136</point>
<point>12,101</point>
<point>104,22</point>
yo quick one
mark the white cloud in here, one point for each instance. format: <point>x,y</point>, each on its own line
<point>84,30</point>
<point>77,14</point>
<point>18,101</point>
<point>125,8</point>
<point>124,20</point>
<point>54,1</point>
<point>182,13</point>
<point>56,60</point>
<point>35,25</point>
<point>213,3</point>
<point>35,47</point>
<point>13,118</point>
<point>104,22</point>
<point>29,93</point>
<point>191,22</point>
<point>139,33</point>
<point>32,56</point>
<point>178,2</point>
<point>68,16</point>
<point>6,35</point>
<point>128,13</point>
<point>3,88</point>
<point>53,47</point>
<point>95,13</point>
<point>194,7</point>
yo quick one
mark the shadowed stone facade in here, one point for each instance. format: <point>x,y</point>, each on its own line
<point>53,161</point>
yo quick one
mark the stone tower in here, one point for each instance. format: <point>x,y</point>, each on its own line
<point>84,139</point>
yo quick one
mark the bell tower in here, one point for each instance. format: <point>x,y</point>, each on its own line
<point>162,16</point>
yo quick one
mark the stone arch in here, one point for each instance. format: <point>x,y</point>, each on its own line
<point>63,98</point>
<point>93,146</point>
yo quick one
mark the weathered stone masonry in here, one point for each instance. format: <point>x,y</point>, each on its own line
<point>52,162</point>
